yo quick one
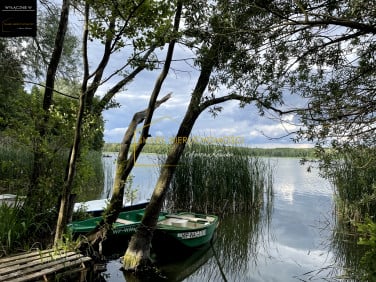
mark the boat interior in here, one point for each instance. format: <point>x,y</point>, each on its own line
<point>190,221</point>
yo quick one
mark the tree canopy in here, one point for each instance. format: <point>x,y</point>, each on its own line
<point>324,52</point>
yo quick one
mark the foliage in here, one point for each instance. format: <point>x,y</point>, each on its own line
<point>323,52</point>
<point>279,51</point>
<point>128,21</point>
<point>130,193</point>
<point>21,229</point>
<point>353,173</point>
<point>10,229</point>
<point>89,178</point>
<point>10,85</point>
<point>367,232</point>
<point>15,167</point>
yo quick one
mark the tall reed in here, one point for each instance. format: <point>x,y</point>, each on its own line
<point>354,176</point>
<point>218,178</point>
<point>15,168</point>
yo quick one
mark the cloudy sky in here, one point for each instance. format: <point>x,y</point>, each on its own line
<point>233,122</point>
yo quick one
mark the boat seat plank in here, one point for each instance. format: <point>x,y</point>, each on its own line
<point>124,221</point>
<point>189,218</point>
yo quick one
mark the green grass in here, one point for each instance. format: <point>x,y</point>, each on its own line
<point>20,229</point>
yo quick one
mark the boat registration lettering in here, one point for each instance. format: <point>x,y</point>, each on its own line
<point>124,229</point>
<point>190,235</point>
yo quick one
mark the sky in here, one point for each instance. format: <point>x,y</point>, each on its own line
<point>243,126</point>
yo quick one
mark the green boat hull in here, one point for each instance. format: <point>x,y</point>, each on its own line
<point>125,225</point>
<point>189,229</point>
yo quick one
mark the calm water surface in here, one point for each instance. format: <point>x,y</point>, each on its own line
<point>288,243</point>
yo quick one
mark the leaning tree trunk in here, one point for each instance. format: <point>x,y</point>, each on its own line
<point>126,163</point>
<point>138,252</point>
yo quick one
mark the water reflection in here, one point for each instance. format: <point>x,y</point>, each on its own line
<point>144,176</point>
<point>294,237</point>
<point>179,268</point>
<point>346,250</point>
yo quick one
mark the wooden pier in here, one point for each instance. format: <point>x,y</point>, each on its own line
<point>41,265</point>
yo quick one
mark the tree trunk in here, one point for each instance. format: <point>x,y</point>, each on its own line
<point>126,163</point>
<point>138,253</point>
<point>68,183</point>
<point>34,198</point>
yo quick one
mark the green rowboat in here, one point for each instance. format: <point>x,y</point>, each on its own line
<point>189,229</point>
<point>126,224</point>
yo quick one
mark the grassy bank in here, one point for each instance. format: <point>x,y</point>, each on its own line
<point>20,229</point>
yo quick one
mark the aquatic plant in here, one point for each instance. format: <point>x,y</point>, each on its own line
<point>219,178</point>
<point>367,231</point>
<point>353,174</point>
<point>15,168</point>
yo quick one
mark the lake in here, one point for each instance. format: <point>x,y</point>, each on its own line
<point>288,241</point>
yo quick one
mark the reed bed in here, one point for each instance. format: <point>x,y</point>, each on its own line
<point>219,178</point>
<point>15,169</point>
<point>354,176</point>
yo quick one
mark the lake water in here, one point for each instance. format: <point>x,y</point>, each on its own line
<point>291,242</point>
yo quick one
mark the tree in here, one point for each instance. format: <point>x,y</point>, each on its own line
<point>275,46</point>
<point>34,192</point>
<point>11,85</point>
<point>117,22</point>
<point>221,46</point>
<point>324,52</point>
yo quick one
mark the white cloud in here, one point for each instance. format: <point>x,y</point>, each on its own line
<point>114,135</point>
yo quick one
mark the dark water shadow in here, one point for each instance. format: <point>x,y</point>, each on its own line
<point>169,266</point>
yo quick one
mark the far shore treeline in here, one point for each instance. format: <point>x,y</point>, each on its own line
<point>258,152</point>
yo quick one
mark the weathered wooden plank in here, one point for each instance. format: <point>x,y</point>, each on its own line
<point>48,271</point>
<point>24,255</point>
<point>36,259</point>
<point>44,269</point>
<point>25,267</point>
